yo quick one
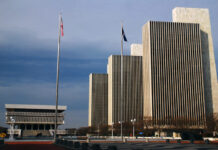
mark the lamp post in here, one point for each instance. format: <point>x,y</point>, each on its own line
<point>11,138</point>
<point>133,127</point>
<point>98,130</point>
<point>121,128</point>
<point>112,131</point>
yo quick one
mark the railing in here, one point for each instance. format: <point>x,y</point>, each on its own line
<point>35,132</point>
<point>16,131</point>
<point>59,132</point>
<point>38,114</point>
<point>32,120</point>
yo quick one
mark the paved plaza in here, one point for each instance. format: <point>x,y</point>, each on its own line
<point>160,146</point>
<point>149,146</point>
<point>31,147</point>
<point>111,146</point>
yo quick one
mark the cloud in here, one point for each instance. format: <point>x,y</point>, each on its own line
<point>73,95</point>
<point>28,45</point>
<point>28,75</point>
<point>39,64</point>
<point>76,119</point>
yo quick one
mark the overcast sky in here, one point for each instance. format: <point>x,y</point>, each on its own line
<point>28,46</point>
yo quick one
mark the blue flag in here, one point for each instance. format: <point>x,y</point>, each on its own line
<point>124,36</point>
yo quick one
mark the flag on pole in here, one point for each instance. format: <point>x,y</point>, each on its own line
<point>124,36</point>
<point>60,33</point>
<point>62,27</point>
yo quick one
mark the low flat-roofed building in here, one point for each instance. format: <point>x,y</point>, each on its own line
<point>33,120</point>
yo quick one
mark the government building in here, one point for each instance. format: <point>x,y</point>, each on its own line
<point>98,99</point>
<point>34,120</point>
<point>132,105</point>
<point>202,17</point>
<point>173,74</point>
<point>169,80</point>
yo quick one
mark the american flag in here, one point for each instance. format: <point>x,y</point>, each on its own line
<point>62,27</point>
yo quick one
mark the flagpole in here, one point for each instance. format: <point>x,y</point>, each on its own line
<point>57,80</point>
<point>121,80</point>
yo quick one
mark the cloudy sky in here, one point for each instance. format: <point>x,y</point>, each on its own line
<point>28,46</point>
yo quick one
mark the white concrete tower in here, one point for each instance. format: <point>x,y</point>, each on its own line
<point>201,16</point>
<point>136,49</point>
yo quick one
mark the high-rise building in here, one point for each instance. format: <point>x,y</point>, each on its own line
<point>98,99</point>
<point>132,103</point>
<point>202,17</point>
<point>170,78</point>
<point>173,84</point>
<point>136,50</point>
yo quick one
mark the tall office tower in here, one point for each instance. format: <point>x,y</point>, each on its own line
<point>173,74</point>
<point>201,16</point>
<point>98,99</point>
<point>136,50</point>
<point>132,104</point>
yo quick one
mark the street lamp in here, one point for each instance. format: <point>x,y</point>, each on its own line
<point>133,128</point>
<point>121,128</point>
<point>11,138</point>
<point>112,130</point>
<point>98,130</point>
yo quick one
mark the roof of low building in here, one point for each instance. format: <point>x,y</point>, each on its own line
<point>26,106</point>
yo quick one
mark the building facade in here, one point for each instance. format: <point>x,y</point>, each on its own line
<point>98,99</point>
<point>132,104</point>
<point>136,50</point>
<point>170,79</point>
<point>202,17</point>
<point>173,74</point>
<point>33,120</point>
